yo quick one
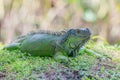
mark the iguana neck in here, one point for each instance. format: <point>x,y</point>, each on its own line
<point>64,38</point>
<point>62,43</point>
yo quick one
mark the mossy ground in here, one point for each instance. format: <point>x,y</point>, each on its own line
<point>15,65</point>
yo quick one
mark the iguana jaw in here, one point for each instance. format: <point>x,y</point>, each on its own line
<point>76,47</point>
<point>79,43</point>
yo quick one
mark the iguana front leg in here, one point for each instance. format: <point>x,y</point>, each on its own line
<point>60,54</point>
<point>60,57</point>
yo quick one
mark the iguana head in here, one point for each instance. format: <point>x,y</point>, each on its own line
<point>76,38</point>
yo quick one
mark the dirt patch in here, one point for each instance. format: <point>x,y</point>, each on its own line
<point>103,68</point>
<point>2,76</point>
<point>61,73</point>
<point>99,70</point>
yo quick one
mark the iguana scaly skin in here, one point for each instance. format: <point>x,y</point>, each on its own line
<point>59,45</point>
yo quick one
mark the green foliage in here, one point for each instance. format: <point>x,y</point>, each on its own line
<point>81,62</point>
<point>22,65</point>
<point>19,66</point>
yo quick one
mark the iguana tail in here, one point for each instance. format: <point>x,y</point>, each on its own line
<point>12,46</point>
<point>15,44</point>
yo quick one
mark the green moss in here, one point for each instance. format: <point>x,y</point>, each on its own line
<point>19,66</point>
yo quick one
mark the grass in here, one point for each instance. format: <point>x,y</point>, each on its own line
<point>17,66</point>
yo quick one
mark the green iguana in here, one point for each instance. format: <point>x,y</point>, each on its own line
<point>60,45</point>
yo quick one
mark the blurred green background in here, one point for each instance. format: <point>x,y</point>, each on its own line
<point>18,17</point>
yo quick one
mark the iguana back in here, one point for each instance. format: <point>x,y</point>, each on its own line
<point>40,44</point>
